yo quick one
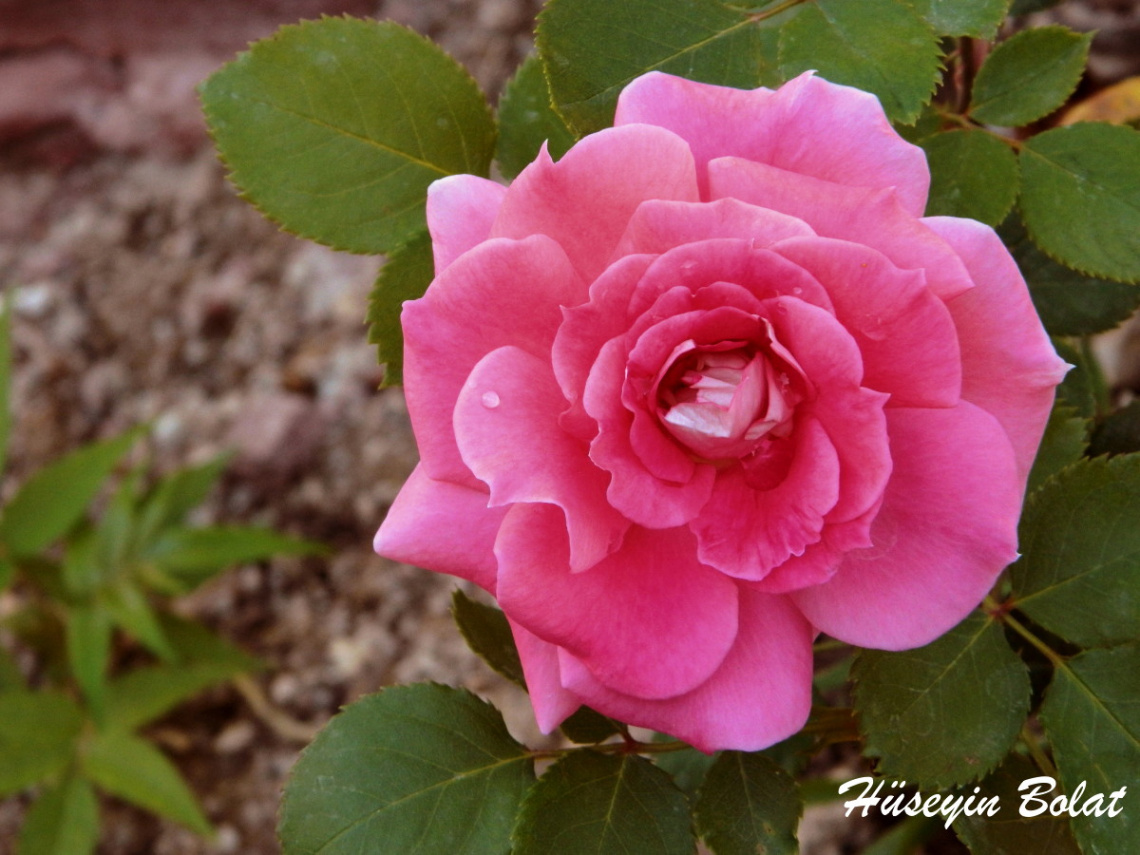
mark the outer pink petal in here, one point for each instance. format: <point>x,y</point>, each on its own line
<point>947,528</point>
<point>552,704</point>
<point>442,527</point>
<point>472,308</point>
<point>1009,368</point>
<point>649,619</point>
<point>807,126</point>
<point>759,696</point>
<point>905,333</point>
<point>506,424</point>
<point>585,200</point>
<point>460,212</point>
<point>872,217</point>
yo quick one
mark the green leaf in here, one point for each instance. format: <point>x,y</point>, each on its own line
<point>405,276</point>
<point>5,380</point>
<point>193,555</point>
<point>1007,830</point>
<point>1081,197</point>
<point>906,837</point>
<point>1029,75</point>
<point>194,644</point>
<point>600,804</point>
<point>133,769</point>
<point>177,494</point>
<point>1069,303</point>
<point>1079,575</point>
<point>1066,435</point>
<point>973,174</point>
<point>527,120</point>
<point>1079,388</point>
<point>748,804</point>
<point>63,821</point>
<point>881,46</point>
<point>486,631</point>
<point>587,726</point>
<point>413,768</point>
<point>1027,7</point>
<point>82,573</point>
<point>946,713</point>
<point>592,48</point>
<point>10,677</point>
<point>7,571</point>
<point>145,694</point>
<point>1092,718</point>
<point>89,652</point>
<point>54,498</point>
<point>688,766</point>
<point>335,128</point>
<point>130,609</point>
<point>37,739</point>
<point>978,18</point>
<point>1118,434</point>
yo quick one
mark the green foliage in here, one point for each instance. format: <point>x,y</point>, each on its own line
<point>405,276</point>
<point>1079,576</point>
<point>527,120</point>
<point>1066,435</point>
<point>335,128</point>
<point>38,732</point>
<point>1119,433</point>
<point>979,18</point>
<point>193,555</point>
<point>748,804</point>
<point>600,804</point>
<point>63,821</point>
<point>587,727</point>
<point>5,385</point>
<point>486,631</point>
<point>440,774</point>
<point>1081,388</point>
<point>1029,76</point>
<point>946,713</point>
<point>973,174</point>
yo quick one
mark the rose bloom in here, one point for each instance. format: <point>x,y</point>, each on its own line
<point>707,386</point>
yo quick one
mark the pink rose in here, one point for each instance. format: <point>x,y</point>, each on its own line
<point>707,386</point>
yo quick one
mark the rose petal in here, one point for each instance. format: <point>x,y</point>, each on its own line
<point>552,703</point>
<point>649,618</point>
<point>460,212</point>
<point>760,695</point>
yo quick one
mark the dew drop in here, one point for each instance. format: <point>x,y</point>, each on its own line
<point>797,290</point>
<point>490,400</point>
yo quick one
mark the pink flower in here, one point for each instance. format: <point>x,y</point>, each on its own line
<point>711,384</point>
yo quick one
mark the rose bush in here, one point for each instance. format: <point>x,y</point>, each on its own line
<point>707,386</point>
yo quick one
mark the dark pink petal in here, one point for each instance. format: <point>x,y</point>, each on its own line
<point>760,695</point>
<point>472,308</point>
<point>1009,368</point>
<point>746,532</point>
<point>585,200</point>
<point>552,704</point>
<point>649,619</point>
<point>442,527</point>
<point>875,218</point>
<point>460,212</point>
<point>946,530</point>
<point>905,333</point>
<point>808,126</point>
<point>506,424</point>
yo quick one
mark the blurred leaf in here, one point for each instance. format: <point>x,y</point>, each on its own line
<point>1009,831</point>
<point>1118,434</point>
<point>1066,435</point>
<point>592,48</point>
<point>1069,303</point>
<point>7,571</point>
<point>1081,197</point>
<point>193,555</point>
<point>1027,7</point>
<point>1118,104</point>
<point>748,804</point>
<point>486,631</point>
<point>37,739</point>
<point>194,644</point>
<point>946,713</point>
<point>1029,75</point>
<point>405,276</point>
<point>905,837</point>
<point>145,694</point>
<point>64,820</point>
<point>527,120</point>
<point>422,767</point>
<point>1079,574</point>
<point>881,46</point>
<point>177,494</point>
<point>133,769</point>
<point>599,804</point>
<point>10,677</point>
<point>130,610</point>
<point>53,499</point>
<point>5,381</point>
<point>335,128</point>
<point>587,727</point>
<point>82,573</point>
<point>115,531</point>
<point>89,652</point>
<point>973,174</point>
<point>979,18</point>
<point>1092,718</point>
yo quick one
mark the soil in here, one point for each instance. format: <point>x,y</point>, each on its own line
<point>144,290</point>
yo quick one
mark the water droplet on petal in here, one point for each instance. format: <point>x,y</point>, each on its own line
<point>797,290</point>
<point>490,400</point>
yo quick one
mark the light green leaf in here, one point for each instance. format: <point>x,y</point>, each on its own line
<point>194,644</point>
<point>601,804</point>
<point>193,555</point>
<point>145,694</point>
<point>1119,433</point>
<point>486,631</point>
<point>1079,575</point>
<point>979,18</point>
<point>414,768</point>
<point>130,609</point>
<point>177,494</point>
<point>1080,197</point>
<point>10,677</point>
<point>946,713</point>
<point>54,498</point>
<point>1066,436</point>
<point>1092,718</point>
<point>592,48</point>
<point>63,821</point>
<point>37,739</point>
<point>748,804</point>
<point>973,174</point>
<point>881,46</point>
<point>5,380</point>
<point>527,120</point>
<point>89,652</point>
<point>1029,75</point>
<point>405,276</point>
<point>335,128</point>
<point>133,769</point>
<point>81,572</point>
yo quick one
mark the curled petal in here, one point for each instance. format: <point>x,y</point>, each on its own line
<point>552,703</point>
<point>460,212</point>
